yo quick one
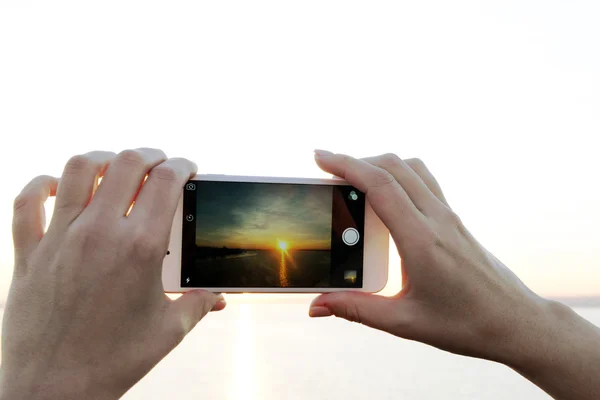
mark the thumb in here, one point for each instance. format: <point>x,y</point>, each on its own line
<point>192,306</point>
<point>384,313</point>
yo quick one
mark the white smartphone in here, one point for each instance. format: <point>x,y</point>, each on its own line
<point>242,234</point>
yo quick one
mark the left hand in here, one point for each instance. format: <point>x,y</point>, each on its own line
<point>87,316</point>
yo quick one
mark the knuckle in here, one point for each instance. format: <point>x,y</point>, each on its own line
<point>145,245</point>
<point>452,218</point>
<point>381,192</point>
<point>186,323</point>
<point>405,318</point>
<point>382,177</point>
<point>425,241</point>
<point>155,151</point>
<point>346,307</point>
<point>177,332</point>
<point>390,159</point>
<point>131,157</point>
<point>94,228</point>
<point>416,164</point>
<point>165,172</point>
<point>89,232</point>
<point>352,312</point>
<point>28,194</point>
<point>77,164</point>
<point>177,336</point>
<point>21,202</point>
<point>345,165</point>
<point>185,164</point>
<point>102,153</point>
<point>344,160</point>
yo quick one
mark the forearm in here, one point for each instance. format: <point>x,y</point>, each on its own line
<point>561,354</point>
<point>73,385</point>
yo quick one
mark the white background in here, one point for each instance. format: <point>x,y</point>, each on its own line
<point>500,98</point>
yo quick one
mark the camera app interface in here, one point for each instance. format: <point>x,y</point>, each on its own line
<point>269,235</point>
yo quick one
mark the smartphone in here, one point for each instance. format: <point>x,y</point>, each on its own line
<point>242,234</point>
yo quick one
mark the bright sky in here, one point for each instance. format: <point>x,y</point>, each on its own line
<point>500,98</point>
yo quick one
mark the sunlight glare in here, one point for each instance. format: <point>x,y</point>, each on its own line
<point>283,280</point>
<point>282,245</point>
<point>49,210</point>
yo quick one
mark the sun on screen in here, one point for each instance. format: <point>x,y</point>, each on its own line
<point>282,245</point>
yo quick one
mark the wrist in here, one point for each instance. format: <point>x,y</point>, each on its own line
<point>561,354</point>
<point>551,340</point>
<point>19,383</point>
<point>512,335</point>
<point>535,335</point>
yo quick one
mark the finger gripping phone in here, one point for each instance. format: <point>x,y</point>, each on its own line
<point>235,234</point>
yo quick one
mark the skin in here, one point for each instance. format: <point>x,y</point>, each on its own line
<point>87,316</point>
<point>78,324</point>
<point>456,295</point>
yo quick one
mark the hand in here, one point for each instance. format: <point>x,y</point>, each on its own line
<point>456,295</point>
<point>87,315</point>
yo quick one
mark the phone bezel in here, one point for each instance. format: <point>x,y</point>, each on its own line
<point>376,244</point>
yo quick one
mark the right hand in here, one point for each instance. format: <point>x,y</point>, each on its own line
<point>456,295</point>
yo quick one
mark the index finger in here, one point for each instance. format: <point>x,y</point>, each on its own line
<point>157,201</point>
<point>29,217</point>
<point>421,169</point>
<point>387,197</point>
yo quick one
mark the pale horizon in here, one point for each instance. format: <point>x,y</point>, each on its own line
<point>500,101</point>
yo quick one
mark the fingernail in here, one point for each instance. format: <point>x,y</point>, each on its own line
<point>220,304</point>
<point>323,153</point>
<point>319,311</point>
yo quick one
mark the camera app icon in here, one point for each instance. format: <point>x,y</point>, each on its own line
<point>190,186</point>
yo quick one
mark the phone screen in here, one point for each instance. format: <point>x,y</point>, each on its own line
<point>272,235</point>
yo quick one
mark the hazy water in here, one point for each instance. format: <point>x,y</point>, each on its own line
<point>266,268</point>
<point>276,352</point>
